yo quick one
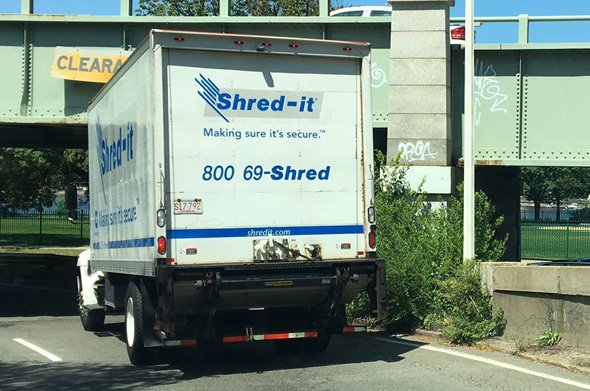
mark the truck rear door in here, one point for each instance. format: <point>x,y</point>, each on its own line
<point>264,156</point>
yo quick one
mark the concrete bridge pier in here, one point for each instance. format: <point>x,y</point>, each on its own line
<point>503,186</point>
<point>419,118</point>
<point>420,114</point>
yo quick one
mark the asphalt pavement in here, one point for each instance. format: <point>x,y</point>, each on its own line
<point>44,347</point>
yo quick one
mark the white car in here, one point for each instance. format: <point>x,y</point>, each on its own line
<point>369,10</point>
<point>457,32</point>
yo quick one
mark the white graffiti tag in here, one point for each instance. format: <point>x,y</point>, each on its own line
<point>377,75</point>
<point>412,152</point>
<point>487,89</point>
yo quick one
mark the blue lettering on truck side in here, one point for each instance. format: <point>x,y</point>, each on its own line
<point>112,154</point>
<point>289,173</point>
<point>257,172</point>
<point>222,102</point>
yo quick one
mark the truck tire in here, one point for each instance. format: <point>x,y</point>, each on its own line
<point>317,345</point>
<point>288,346</point>
<point>138,353</point>
<point>92,320</point>
<point>312,345</point>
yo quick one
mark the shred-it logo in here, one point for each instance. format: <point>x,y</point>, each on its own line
<point>257,103</point>
<point>113,154</point>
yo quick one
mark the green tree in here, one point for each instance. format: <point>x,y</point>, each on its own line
<point>32,176</point>
<point>567,182</point>
<point>536,187</point>
<point>554,184</point>
<point>237,7</point>
<point>178,7</point>
<point>275,7</point>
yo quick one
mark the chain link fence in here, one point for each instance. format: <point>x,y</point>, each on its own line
<point>555,240</point>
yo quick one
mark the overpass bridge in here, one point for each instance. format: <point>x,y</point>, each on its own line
<point>531,99</point>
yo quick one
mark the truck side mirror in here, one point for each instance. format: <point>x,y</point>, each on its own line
<point>71,196</point>
<point>72,215</point>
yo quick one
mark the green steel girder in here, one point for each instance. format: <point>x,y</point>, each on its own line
<point>530,98</point>
<point>33,99</point>
<point>531,105</point>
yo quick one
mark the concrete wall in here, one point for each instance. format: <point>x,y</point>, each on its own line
<point>539,298</point>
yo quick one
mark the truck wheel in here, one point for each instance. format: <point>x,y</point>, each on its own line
<point>138,354</point>
<point>92,320</point>
<point>289,346</point>
<point>311,345</point>
<point>319,344</point>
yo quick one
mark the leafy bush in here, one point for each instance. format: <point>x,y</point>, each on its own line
<point>428,283</point>
<point>359,311</point>
<point>549,338</point>
<point>462,308</point>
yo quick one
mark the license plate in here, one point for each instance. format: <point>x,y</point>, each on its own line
<point>188,207</point>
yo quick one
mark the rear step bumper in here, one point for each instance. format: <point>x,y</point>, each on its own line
<point>249,336</point>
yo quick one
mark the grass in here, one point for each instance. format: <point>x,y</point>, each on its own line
<point>550,241</point>
<point>555,241</point>
<point>30,233</point>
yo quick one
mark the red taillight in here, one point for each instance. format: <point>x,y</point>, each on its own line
<point>161,245</point>
<point>347,49</point>
<point>266,44</point>
<point>239,42</point>
<point>179,39</point>
<point>373,237</point>
<point>293,45</point>
<point>458,33</point>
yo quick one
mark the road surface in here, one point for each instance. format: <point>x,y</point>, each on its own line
<point>44,347</point>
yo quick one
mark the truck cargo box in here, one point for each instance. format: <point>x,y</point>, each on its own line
<point>252,149</point>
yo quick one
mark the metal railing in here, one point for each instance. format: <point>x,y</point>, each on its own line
<point>29,228</point>
<point>555,240</point>
<point>524,22</point>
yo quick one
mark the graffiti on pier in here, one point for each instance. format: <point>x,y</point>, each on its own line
<point>416,151</point>
<point>487,92</point>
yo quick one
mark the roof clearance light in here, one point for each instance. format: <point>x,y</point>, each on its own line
<point>161,245</point>
<point>347,49</point>
<point>179,39</point>
<point>239,42</point>
<point>293,45</point>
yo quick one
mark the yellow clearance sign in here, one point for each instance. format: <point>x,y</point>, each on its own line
<point>93,65</point>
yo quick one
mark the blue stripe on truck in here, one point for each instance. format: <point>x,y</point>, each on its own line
<point>128,243</point>
<point>263,231</point>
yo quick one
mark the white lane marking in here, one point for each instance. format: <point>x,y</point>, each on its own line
<point>488,361</point>
<point>37,349</point>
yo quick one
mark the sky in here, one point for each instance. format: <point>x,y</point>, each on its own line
<point>545,32</point>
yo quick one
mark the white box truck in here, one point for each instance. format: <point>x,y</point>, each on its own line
<point>231,192</point>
